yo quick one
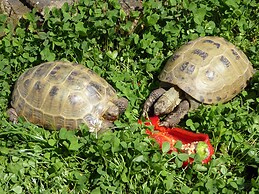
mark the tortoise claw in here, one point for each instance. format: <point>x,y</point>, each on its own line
<point>174,117</point>
<point>154,95</point>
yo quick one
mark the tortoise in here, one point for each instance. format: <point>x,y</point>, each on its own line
<point>61,94</point>
<point>208,70</point>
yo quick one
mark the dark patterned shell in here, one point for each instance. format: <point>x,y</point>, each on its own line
<point>209,69</point>
<point>61,94</point>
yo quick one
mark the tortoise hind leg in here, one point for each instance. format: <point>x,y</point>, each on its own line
<point>175,117</point>
<point>154,95</point>
<point>13,116</point>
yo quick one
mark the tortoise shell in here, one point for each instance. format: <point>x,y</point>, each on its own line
<point>62,94</point>
<point>209,69</point>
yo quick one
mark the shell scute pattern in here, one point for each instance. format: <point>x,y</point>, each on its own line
<point>42,70</point>
<point>99,89</point>
<point>61,94</point>
<point>38,115</point>
<point>53,91</point>
<point>201,53</point>
<point>210,69</point>
<point>92,95</point>
<point>58,74</point>
<point>60,122</point>
<point>36,93</point>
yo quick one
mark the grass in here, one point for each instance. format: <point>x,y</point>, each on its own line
<point>99,34</point>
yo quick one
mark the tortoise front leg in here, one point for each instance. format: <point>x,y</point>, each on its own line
<point>122,104</point>
<point>175,117</point>
<point>154,95</point>
<point>13,116</point>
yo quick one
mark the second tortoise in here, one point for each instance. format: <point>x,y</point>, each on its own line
<point>207,70</point>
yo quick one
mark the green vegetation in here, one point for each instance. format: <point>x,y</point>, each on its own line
<point>99,35</point>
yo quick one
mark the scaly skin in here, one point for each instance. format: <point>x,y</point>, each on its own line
<point>171,103</point>
<point>154,95</point>
<point>176,115</point>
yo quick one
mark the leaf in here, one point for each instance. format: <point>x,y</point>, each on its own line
<point>139,159</point>
<point>183,157</point>
<point>185,4</point>
<point>136,38</point>
<point>74,146</point>
<point>173,2</point>
<point>20,32</point>
<point>199,15</point>
<point>252,153</point>
<point>165,147</point>
<point>29,16</point>
<point>169,183</point>
<point>57,166</point>
<point>233,4</point>
<point>4,150</point>
<point>210,26</point>
<point>101,171</point>
<point>63,133</point>
<point>178,163</point>
<point>47,55</point>
<point>96,191</point>
<point>113,55</point>
<point>223,170</point>
<point>178,145</point>
<point>52,142</point>
<point>116,144</point>
<point>152,20</point>
<point>79,27</point>
<point>238,137</point>
<point>185,189</point>
<point>124,177</point>
<point>42,35</point>
<point>210,185</point>
<point>189,122</point>
<point>17,189</point>
<point>172,28</point>
<point>199,167</point>
<point>106,146</point>
<point>140,146</point>
<point>65,7</point>
<point>156,157</point>
<point>234,185</point>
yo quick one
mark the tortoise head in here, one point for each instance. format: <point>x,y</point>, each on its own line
<point>115,109</point>
<point>168,101</point>
<point>112,113</point>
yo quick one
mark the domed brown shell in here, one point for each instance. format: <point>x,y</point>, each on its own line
<point>210,69</point>
<point>61,94</point>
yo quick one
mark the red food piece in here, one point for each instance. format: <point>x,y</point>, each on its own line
<point>171,135</point>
